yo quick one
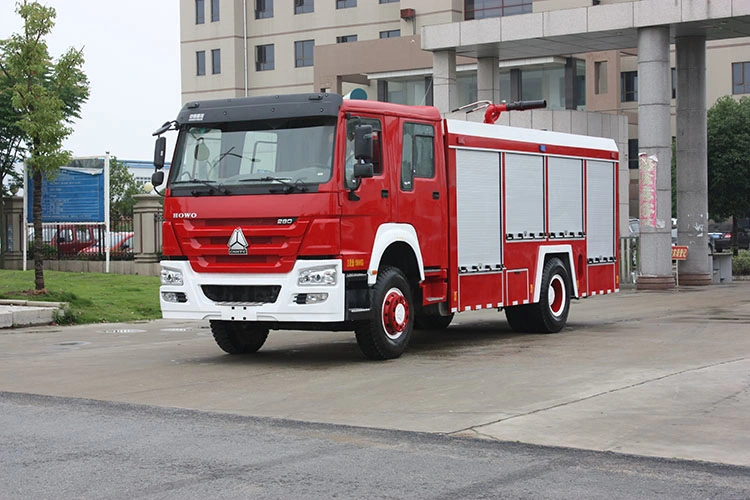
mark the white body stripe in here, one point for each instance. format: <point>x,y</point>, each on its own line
<point>530,135</point>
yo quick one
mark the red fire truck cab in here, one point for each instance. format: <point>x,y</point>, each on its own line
<point>314,212</point>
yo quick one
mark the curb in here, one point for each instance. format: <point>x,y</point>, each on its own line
<point>15,313</point>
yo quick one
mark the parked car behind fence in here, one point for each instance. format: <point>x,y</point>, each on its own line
<point>724,241</point>
<point>120,246</point>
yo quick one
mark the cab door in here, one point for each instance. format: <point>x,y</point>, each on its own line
<point>421,197</point>
<point>365,203</point>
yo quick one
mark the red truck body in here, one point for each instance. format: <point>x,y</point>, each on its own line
<point>435,217</point>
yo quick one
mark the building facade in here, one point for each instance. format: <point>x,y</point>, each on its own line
<point>233,48</point>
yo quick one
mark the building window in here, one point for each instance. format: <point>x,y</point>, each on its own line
<point>600,77</point>
<point>388,1</point>
<point>346,38</point>
<point>303,53</point>
<point>633,154</point>
<point>200,63</point>
<point>345,4</point>
<point>418,154</point>
<point>674,83</point>
<point>264,60</point>
<point>629,86</point>
<point>414,91</point>
<point>200,12</point>
<point>215,61</point>
<point>741,78</point>
<point>214,11</point>
<point>263,9</point>
<point>480,9</point>
<point>304,6</point>
<point>390,34</point>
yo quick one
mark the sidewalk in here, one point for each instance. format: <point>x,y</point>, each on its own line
<point>15,313</point>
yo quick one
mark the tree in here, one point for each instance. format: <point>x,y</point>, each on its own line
<point>11,152</point>
<point>122,188</point>
<point>47,95</point>
<point>729,160</point>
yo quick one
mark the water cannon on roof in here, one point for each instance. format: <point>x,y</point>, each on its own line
<point>493,111</point>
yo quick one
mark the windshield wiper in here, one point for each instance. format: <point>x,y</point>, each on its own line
<point>225,153</point>
<point>211,185</point>
<point>289,187</point>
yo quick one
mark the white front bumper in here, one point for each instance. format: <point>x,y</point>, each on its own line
<point>198,306</point>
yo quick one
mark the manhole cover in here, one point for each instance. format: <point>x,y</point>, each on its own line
<point>176,329</point>
<point>124,330</point>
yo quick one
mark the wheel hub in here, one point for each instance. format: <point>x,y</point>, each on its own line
<point>395,313</point>
<point>556,295</point>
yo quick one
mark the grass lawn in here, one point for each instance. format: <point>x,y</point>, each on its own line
<point>92,297</point>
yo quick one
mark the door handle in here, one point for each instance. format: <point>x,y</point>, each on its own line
<point>384,193</point>
<point>435,195</point>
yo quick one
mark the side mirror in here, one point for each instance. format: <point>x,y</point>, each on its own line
<point>363,170</point>
<point>363,142</point>
<point>159,151</point>
<point>157,178</point>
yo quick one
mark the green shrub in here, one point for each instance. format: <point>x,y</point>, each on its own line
<point>741,263</point>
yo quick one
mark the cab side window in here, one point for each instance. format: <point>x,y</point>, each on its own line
<point>418,154</point>
<point>377,148</point>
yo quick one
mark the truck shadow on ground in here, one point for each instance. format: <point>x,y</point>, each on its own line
<point>338,349</point>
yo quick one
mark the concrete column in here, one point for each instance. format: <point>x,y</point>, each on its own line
<point>488,79</point>
<point>692,163</point>
<point>515,85</point>
<point>654,139</point>
<point>147,221</point>
<point>444,80</point>
<point>571,87</point>
<point>15,226</point>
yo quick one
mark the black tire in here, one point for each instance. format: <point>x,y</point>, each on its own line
<point>433,322</point>
<point>238,337</point>
<point>519,318</point>
<point>386,334</point>
<point>551,312</point>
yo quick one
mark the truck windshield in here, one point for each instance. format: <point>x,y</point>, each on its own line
<point>297,153</point>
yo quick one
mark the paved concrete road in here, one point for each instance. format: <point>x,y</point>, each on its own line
<point>58,449</point>
<point>662,374</point>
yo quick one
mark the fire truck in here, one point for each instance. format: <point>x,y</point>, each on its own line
<point>314,212</point>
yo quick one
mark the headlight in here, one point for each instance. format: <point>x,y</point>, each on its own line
<point>170,277</point>
<point>317,276</point>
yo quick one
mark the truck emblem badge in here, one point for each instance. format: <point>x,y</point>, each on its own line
<point>195,117</point>
<point>237,243</point>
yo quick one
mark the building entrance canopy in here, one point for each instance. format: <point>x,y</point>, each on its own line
<point>588,29</point>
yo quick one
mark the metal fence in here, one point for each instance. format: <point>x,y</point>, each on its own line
<point>84,241</point>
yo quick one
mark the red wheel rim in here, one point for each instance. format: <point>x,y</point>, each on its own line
<point>556,295</point>
<point>395,313</point>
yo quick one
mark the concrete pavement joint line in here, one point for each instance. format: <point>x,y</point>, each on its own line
<point>474,428</point>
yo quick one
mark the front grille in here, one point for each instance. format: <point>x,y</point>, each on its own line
<point>261,294</point>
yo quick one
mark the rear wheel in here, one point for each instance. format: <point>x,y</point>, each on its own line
<point>238,337</point>
<point>551,312</point>
<point>386,334</point>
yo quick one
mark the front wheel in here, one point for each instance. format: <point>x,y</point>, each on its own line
<point>433,322</point>
<point>551,312</point>
<point>238,337</point>
<point>386,333</point>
